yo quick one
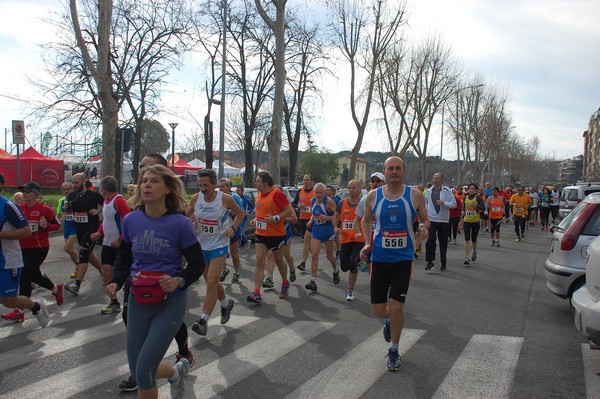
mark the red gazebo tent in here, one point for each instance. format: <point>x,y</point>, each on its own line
<point>35,167</point>
<point>184,168</point>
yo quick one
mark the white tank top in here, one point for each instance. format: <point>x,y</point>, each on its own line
<point>213,220</point>
<point>111,222</point>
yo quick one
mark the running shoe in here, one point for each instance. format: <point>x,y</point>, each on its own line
<point>518,239</point>
<point>112,307</point>
<point>285,291</point>
<point>498,243</point>
<point>226,311</point>
<point>474,256</point>
<point>301,267</point>
<point>74,275</point>
<point>293,275</point>
<point>493,243</point>
<point>393,363</point>
<point>73,288</point>
<point>42,315</point>
<point>224,274</point>
<point>267,283</point>
<point>312,286</point>
<point>189,357</point>
<point>15,316</point>
<point>350,296</point>
<point>429,266</point>
<point>364,266</point>
<point>178,387</point>
<point>58,295</point>
<point>454,242</point>
<point>200,327</point>
<point>235,277</point>
<point>336,277</point>
<point>128,385</point>
<point>443,268</point>
<point>254,298</point>
<point>467,261</point>
<point>387,331</point>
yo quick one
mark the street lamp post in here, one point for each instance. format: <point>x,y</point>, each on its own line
<point>444,109</point>
<point>173,126</point>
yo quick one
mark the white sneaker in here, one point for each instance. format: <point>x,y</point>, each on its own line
<point>178,387</point>
<point>42,316</point>
<point>350,296</point>
<point>493,243</point>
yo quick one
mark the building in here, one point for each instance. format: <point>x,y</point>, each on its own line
<point>591,149</point>
<point>570,170</point>
<point>344,170</point>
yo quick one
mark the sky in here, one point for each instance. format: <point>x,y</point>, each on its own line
<point>543,53</point>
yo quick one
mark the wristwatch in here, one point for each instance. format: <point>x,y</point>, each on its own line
<point>181,282</point>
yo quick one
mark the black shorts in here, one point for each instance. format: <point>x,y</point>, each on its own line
<point>234,239</point>
<point>483,216</point>
<point>349,256</point>
<point>272,242</point>
<point>303,227</point>
<point>392,278</point>
<point>86,244</point>
<point>495,225</point>
<point>471,230</point>
<point>108,255</point>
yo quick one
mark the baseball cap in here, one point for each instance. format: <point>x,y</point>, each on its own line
<point>378,175</point>
<point>31,187</point>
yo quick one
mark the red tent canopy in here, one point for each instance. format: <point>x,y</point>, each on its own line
<point>184,168</point>
<point>35,167</point>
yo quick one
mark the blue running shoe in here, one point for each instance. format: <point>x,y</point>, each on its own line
<point>387,331</point>
<point>393,363</point>
<point>254,298</point>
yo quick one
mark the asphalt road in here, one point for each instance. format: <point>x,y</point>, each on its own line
<point>490,330</point>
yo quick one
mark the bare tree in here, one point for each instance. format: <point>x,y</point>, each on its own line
<point>364,34</point>
<point>277,26</point>
<point>100,70</point>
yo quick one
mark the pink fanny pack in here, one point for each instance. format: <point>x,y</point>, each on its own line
<point>146,288</point>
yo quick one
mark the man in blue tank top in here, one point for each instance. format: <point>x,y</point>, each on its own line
<point>391,247</point>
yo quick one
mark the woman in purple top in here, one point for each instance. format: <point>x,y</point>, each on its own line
<point>155,238</point>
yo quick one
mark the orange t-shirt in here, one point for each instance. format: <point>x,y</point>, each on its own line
<point>269,204</point>
<point>305,203</point>
<point>347,216</point>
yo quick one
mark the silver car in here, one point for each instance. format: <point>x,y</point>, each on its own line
<point>565,266</point>
<point>586,300</point>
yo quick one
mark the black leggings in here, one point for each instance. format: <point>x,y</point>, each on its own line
<point>182,334</point>
<point>520,222</point>
<point>545,216</point>
<point>454,222</point>
<point>32,260</point>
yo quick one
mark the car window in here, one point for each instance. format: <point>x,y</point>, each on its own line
<point>566,222</point>
<point>592,227</point>
<point>570,194</point>
<point>589,191</point>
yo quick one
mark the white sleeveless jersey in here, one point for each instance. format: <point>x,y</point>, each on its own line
<point>213,220</point>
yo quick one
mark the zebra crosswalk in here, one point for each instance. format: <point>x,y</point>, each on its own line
<point>259,354</point>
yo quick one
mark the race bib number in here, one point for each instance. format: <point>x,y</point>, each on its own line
<point>68,217</point>
<point>34,226</point>
<point>496,209</point>
<point>261,224</point>
<point>519,209</point>
<point>393,239</point>
<point>305,209</point>
<point>348,225</point>
<point>208,226</point>
<point>471,212</point>
<point>81,217</point>
<point>319,221</point>
<point>545,204</point>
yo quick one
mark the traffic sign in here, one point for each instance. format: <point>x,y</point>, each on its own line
<point>18,128</point>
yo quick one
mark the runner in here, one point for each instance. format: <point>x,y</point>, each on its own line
<point>438,201</point>
<point>272,208</point>
<point>287,252</point>
<point>211,209</point>
<point>394,207</point>
<point>488,192</point>
<point>249,208</point>
<point>35,248</point>
<point>545,200</point>
<point>302,201</point>
<point>533,208</point>
<point>472,205</point>
<point>351,241</point>
<point>234,242</point>
<point>69,232</point>
<point>155,239</point>
<point>455,217</point>
<point>460,194</point>
<point>520,204</point>
<point>84,204</point>
<point>494,207</point>
<point>321,223</point>
<point>14,227</point>
<point>114,210</point>
<point>554,204</point>
<point>508,193</point>
<point>375,181</point>
<point>330,191</point>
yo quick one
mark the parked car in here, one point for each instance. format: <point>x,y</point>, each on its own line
<point>565,266</point>
<point>586,300</point>
<point>573,195</point>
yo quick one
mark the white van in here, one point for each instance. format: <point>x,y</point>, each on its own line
<point>573,195</point>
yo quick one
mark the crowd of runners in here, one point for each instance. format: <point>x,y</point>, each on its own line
<point>155,245</point>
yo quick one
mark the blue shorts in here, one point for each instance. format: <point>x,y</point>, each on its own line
<point>323,234</point>
<point>69,230</point>
<point>210,254</point>
<point>9,282</point>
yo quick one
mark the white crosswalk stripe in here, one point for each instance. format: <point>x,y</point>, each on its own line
<point>485,369</point>
<point>343,379</point>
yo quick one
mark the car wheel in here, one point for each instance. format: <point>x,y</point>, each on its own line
<point>296,230</point>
